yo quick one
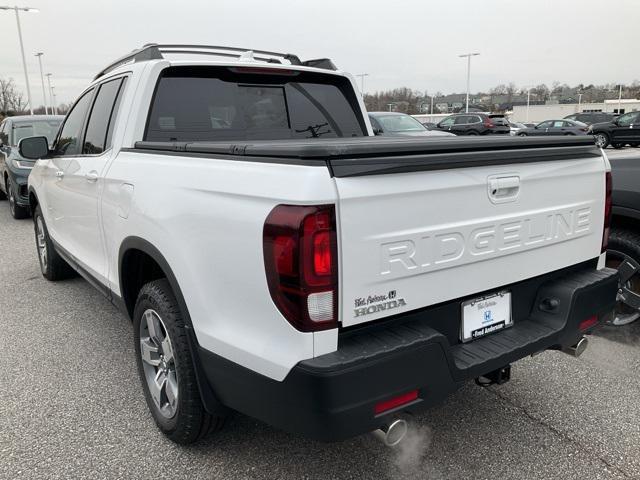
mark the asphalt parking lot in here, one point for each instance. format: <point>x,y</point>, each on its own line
<point>71,405</point>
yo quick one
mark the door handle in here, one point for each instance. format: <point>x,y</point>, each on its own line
<point>92,176</point>
<point>59,174</point>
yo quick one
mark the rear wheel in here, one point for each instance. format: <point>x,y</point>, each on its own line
<point>52,265</point>
<point>602,140</point>
<point>17,211</point>
<point>617,146</point>
<point>472,132</point>
<point>623,254</point>
<point>522,134</point>
<point>634,144</point>
<point>166,368</point>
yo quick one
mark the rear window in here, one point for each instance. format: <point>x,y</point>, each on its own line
<point>218,103</point>
<point>35,128</point>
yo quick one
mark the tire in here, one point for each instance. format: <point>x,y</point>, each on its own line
<point>522,134</point>
<point>473,133</point>
<point>161,338</point>
<point>52,265</point>
<point>634,145</point>
<point>624,249</point>
<point>602,139</point>
<point>3,196</point>
<point>17,211</point>
<point>617,146</point>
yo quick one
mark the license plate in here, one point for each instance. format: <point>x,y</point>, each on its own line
<point>485,315</point>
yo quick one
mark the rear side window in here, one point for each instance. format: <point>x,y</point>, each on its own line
<point>102,117</point>
<point>69,140</point>
<point>213,103</point>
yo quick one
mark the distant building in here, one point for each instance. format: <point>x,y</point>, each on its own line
<point>539,113</point>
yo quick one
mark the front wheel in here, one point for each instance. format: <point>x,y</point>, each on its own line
<point>52,265</point>
<point>166,368</point>
<point>623,254</point>
<point>17,211</point>
<point>602,140</point>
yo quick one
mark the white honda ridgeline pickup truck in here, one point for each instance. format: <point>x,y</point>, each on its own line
<point>278,259</point>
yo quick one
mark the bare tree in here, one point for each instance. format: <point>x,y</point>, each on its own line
<point>11,99</point>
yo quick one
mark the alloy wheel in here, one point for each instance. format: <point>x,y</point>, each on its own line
<point>12,198</point>
<point>628,306</point>
<point>159,363</point>
<point>601,140</point>
<point>41,243</point>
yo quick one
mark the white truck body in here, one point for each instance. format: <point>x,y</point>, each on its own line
<point>406,240</point>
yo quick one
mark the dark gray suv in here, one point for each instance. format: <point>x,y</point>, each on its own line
<point>475,124</point>
<point>14,170</point>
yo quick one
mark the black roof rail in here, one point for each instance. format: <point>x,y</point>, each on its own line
<point>153,51</point>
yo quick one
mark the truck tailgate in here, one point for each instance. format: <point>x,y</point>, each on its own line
<point>417,238</point>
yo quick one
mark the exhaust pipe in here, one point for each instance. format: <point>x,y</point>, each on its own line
<point>578,349</point>
<point>393,433</point>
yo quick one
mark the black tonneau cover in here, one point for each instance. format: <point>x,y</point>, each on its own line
<point>347,157</point>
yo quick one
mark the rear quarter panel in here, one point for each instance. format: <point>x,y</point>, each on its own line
<point>206,217</point>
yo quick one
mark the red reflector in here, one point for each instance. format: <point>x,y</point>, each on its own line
<point>394,402</point>
<point>588,323</point>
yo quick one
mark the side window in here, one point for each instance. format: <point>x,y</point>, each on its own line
<point>69,140</point>
<point>462,120</point>
<point>103,113</point>
<point>560,124</point>
<point>447,122</point>
<point>626,119</point>
<point>544,125</point>
<point>375,124</point>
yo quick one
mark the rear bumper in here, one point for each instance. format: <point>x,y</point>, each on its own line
<point>332,397</point>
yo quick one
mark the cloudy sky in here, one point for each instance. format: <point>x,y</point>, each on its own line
<point>413,43</point>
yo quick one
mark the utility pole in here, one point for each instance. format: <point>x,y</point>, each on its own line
<point>468,56</point>
<point>44,95</point>
<point>55,103</point>
<point>431,111</point>
<point>528,101</point>
<point>17,9</point>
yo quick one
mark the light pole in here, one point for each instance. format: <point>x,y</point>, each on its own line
<point>528,101</point>
<point>24,60</point>
<point>620,100</point>
<point>391,105</point>
<point>44,95</point>
<point>579,101</point>
<point>431,110</point>
<point>54,108</point>
<point>468,56</point>
<point>362,75</point>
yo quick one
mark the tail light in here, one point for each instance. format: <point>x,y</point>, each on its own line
<point>588,323</point>
<point>488,123</point>
<point>300,259</point>
<point>607,213</point>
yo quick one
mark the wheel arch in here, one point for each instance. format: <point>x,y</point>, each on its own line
<point>134,250</point>
<point>33,201</point>
<point>625,218</point>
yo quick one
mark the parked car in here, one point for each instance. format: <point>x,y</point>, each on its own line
<point>591,117</point>
<point>14,169</point>
<point>555,127</point>
<point>621,131</point>
<point>516,128</point>
<point>288,264</point>
<point>623,250</point>
<point>475,124</point>
<point>395,124</point>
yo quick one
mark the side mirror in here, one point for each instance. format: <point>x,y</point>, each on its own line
<point>34,148</point>
<point>377,131</point>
